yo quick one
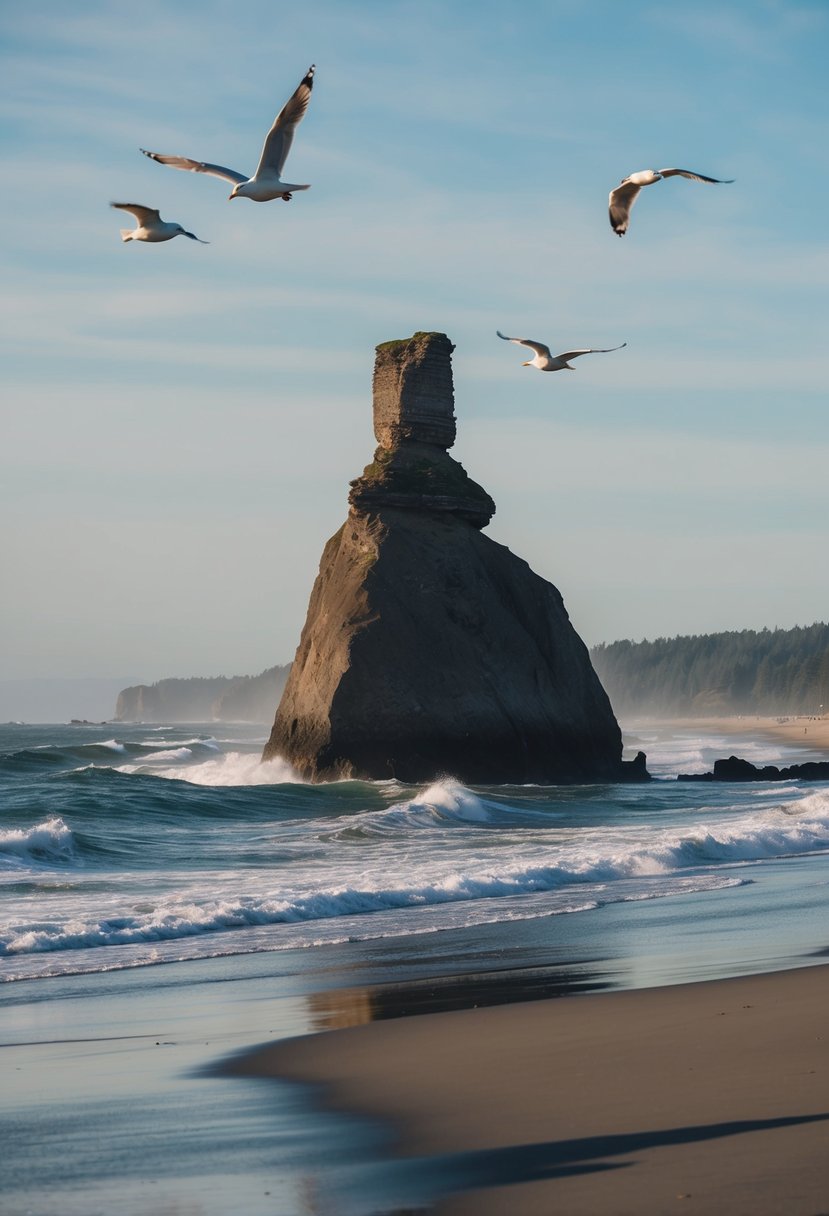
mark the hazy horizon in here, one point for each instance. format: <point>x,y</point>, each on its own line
<point>58,699</point>
<point>184,420</point>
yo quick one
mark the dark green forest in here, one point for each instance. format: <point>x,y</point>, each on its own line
<point>773,671</point>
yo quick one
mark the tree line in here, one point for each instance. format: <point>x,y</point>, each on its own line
<point>770,671</point>
<point>204,699</point>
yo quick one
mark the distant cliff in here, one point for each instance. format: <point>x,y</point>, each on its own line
<point>429,649</point>
<point>766,671</point>
<point>221,698</point>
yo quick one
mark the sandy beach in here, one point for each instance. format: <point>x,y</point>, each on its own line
<point>707,1098</point>
<point>710,1097</point>
<point>793,731</point>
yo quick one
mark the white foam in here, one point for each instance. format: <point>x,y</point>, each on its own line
<point>815,803</point>
<point>49,842</point>
<point>231,768</point>
<point>128,947</point>
<point>774,790</point>
<point>441,857</point>
<point>568,864</point>
<point>199,741</point>
<point>442,803</point>
<point>451,800</point>
<point>112,744</point>
<point>170,753</point>
<point>670,753</point>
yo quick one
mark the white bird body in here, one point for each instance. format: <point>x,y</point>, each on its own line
<point>545,361</point>
<point>266,183</point>
<point>151,227</point>
<point>621,199</point>
<point>645,177</point>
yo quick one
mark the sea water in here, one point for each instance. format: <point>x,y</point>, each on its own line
<point>166,899</point>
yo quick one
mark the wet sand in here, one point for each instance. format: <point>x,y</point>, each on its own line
<point>700,1098</point>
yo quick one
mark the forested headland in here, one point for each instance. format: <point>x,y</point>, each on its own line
<point>769,672</point>
<point>217,698</point>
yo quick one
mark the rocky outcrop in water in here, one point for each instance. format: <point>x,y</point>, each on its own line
<point>429,649</point>
<point>737,769</point>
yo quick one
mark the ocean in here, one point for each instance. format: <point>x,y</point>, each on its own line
<point>166,900</point>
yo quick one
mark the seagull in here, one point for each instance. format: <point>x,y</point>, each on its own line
<point>547,362</point>
<point>265,183</point>
<point>625,194</point>
<point>150,226</point>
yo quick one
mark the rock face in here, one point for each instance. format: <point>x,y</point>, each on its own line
<point>429,649</point>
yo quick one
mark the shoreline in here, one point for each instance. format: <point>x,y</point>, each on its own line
<point>706,1097</point>
<point>799,731</point>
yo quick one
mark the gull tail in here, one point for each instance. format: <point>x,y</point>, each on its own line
<point>126,233</point>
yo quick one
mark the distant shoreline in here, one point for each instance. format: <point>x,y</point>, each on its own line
<point>794,730</point>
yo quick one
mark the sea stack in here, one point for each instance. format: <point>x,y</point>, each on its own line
<point>428,648</point>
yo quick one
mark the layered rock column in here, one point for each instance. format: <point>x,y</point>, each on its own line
<point>429,649</point>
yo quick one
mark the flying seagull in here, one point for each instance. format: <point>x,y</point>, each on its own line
<point>626,193</point>
<point>265,183</point>
<point>150,226</point>
<point>547,362</point>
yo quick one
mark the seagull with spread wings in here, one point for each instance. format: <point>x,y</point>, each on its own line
<point>627,192</point>
<point>266,182</point>
<point>547,362</point>
<point>151,227</point>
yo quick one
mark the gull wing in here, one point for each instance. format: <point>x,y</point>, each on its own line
<point>144,215</point>
<point>196,166</point>
<point>538,347</point>
<point>695,177</point>
<point>574,354</point>
<point>620,202</point>
<point>278,141</point>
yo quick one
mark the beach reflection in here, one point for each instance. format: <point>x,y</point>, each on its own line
<point>338,1009</point>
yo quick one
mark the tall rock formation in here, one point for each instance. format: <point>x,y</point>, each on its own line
<point>429,649</point>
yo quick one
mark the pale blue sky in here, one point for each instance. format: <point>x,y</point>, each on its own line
<point>182,421</point>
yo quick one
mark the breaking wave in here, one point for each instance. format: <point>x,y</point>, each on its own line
<point>50,843</point>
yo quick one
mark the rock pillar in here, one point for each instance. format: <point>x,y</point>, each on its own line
<point>429,649</point>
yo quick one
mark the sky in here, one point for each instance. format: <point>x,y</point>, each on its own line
<point>181,421</point>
